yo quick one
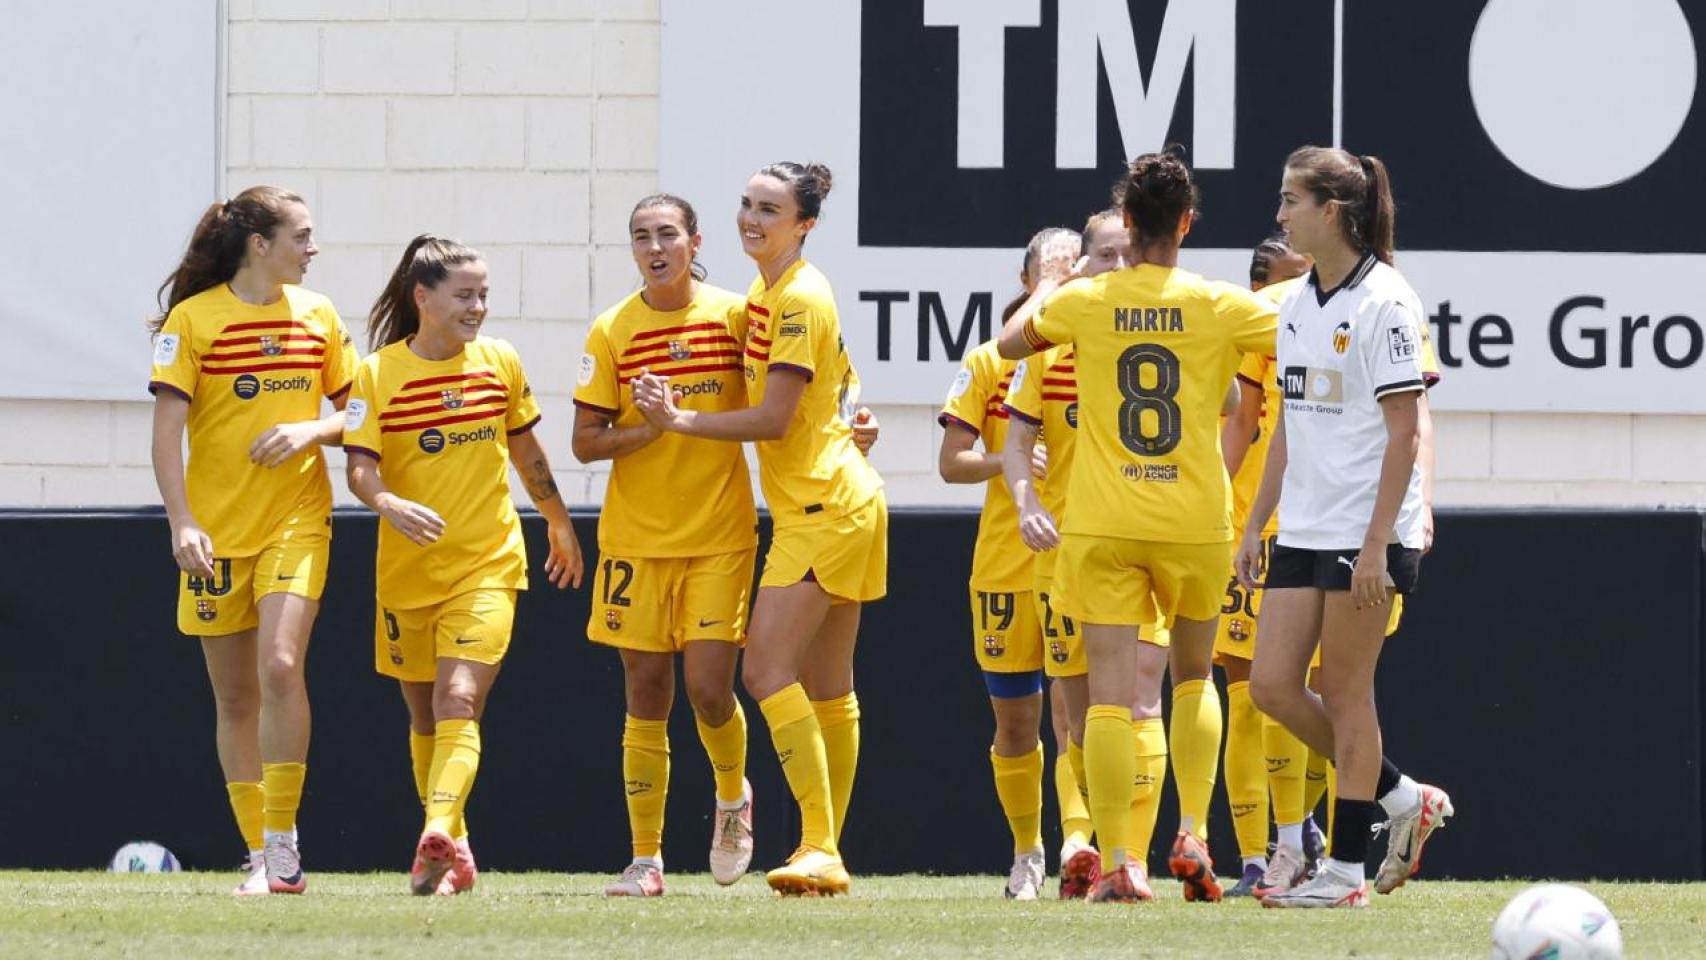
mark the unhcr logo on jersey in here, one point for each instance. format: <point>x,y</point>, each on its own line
<point>246,386</point>
<point>431,440</point>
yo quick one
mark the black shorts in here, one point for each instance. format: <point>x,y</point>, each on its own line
<point>1331,569</point>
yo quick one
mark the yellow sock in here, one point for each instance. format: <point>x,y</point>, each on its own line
<point>799,748</point>
<point>1110,763</point>
<point>1075,824</point>
<point>645,776</point>
<point>1149,761</point>
<point>1019,785</point>
<point>725,746</point>
<point>1194,739</point>
<point>282,785</point>
<point>249,806</point>
<point>1246,771</point>
<point>1314,781</point>
<point>1286,759</point>
<point>421,746</point>
<point>455,760</point>
<point>838,721</point>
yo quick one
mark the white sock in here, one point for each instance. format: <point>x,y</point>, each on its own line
<point>731,804</point>
<point>1187,823</point>
<point>1291,835</point>
<point>272,835</point>
<point>656,861</point>
<point>1403,798</point>
<point>1346,871</point>
<point>1260,863</point>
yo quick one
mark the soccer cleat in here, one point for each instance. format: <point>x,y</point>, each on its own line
<point>1125,883</point>
<point>255,882</point>
<point>284,865</point>
<point>1407,834</point>
<point>1025,880</point>
<point>1314,846</point>
<point>731,844</point>
<point>1327,890</point>
<point>1194,868</point>
<point>463,872</point>
<point>637,880</point>
<point>1246,885</point>
<point>435,855</point>
<point>1080,870</point>
<point>1285,871</point>
<point>810,872</point>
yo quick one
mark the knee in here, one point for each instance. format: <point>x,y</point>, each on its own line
<point>455,701</point>
<point>238,704</point>
<point>712,701</point>
<point>762,678</point>
<point>1271,695</point>
<point>1013,736</point>
<point>281,675</point>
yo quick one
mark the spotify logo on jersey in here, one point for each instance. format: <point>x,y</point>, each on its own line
<point>432,441</point>
<point>246,386</point>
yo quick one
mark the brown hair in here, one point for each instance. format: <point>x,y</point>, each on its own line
<point>1096,220</point>
<point>426,262</point>
<point>1360,186</point>
<point>1032,250</point>
<point>219,242</point>
<point>809,181</point>
<point>1266,252</point>
<point>1157,191</point>
<point>689,218</point>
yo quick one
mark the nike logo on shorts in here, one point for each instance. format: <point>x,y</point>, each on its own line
<point>461,641</point>
<point>708,623</point>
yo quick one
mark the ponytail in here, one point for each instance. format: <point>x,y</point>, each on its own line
<point>217,246</point>
<point>1360,186</point>
<point>1378,210</point>
<point>426,262</point>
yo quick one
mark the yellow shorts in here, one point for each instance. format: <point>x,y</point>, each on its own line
<point>1063,644</point>
<point>225,603</point>
<point>407,644</point>
<point>1112,580</point>
<point>847,556</point>
<point>1005,632</point>
<point>658,604</point>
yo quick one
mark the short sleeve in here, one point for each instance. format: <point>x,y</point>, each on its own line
<point>176,366</point>
<point>338,370</point>
<point>969,394</point>
<point>1392,349</point>
<point>597,384</point>
<point>361,420</point>
<point>1053,322</point>
<point>794,334</point>
<point>523,410</point>
<point>1025,391</point>
<point>1428,359</point>
<point>1251,319</point>
<point>1254,370</point>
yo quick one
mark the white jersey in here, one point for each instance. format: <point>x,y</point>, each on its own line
<point>1335,360</point>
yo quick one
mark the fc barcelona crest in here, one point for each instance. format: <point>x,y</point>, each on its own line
<point>205,611</point>
<point>679,351</point>
<point>1238,630</point>
<point>613,620</point>
<point>992,645</point>
<point>1057,651</point>
<point>270,347</point>
<point>452,398</point>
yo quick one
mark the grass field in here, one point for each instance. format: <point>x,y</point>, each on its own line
<point>555,915</point>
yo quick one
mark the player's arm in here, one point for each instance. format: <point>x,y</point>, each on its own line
<point>597,437</point>
<point>958,460</point>
<point>286,440</point>
<point>1239,430</point>
<point>767,421</point>
<point>1425,457</point>
<point>1400,410</point>
<point>1057,263</point>
<point>564,565</point>
<point>192,548</point>
<point>1247,563</point>
<point>416,521</point>
<point>1019,470</point>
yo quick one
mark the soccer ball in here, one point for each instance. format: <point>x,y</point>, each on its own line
<point>143,856</point>
<point>1556,922</point>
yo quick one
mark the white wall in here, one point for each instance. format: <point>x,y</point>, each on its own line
<point>529,132</point>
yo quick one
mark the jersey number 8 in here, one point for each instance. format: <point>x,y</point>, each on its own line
<point>1158,400</point>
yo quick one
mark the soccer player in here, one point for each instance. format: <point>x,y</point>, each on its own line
<point>1147,537</point>
<point>1007,639</point>
<point>1352,511</point>
<point>242,357</point>
<point>436,416</point>
<point>677,534</point>
<point>829,552</point>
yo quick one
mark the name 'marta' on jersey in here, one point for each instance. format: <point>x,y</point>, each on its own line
<point>246,368</point>
<point>814,472</point>
<point>440,430</point>
<point>1155,349</point>
<point>678,496</point>
<point>1001,561</point>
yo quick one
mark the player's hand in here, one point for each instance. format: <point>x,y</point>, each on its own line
<point>1247,562</point>
<point>413,520</point>
<point>1369,579</point>
<point>1427,528</point>
<point>193,549</point>
<point>1059,259</point>
<point>1037,529</point>
<point>652,394</point>
<point>865,428</point>
<point>1039,461</point>
<point>564,565</point>
<point>281,443</point>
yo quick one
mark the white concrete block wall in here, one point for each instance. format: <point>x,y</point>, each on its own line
<point>528,127</point>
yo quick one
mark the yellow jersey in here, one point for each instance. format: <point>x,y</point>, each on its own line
<point>814,472</point>
<point>1155,350</point>
<point>677,496</point>
<point>1001,561</point>
<point>1045,394</point>
<point>244,369</point>
<point>440,430</point>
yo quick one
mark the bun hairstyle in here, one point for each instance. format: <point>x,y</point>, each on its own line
<point>1266,252</point>
<point>220,240</point>
<point>426,262</point>
<point>689,219</point>
<point>1361,188</point>
<point>1157,191</point>
<point>810,182</point>
<point>1032,251</point>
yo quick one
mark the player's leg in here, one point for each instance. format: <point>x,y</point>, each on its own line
<point>230,660</point>
<point>1080,868</point>
<point>286,621</point>
<point>826,674</point>
<point>1290,627</point>
<point>1075,827</point>
<point>1194,744</point>
<point>649,691</point>
<point>1016,757</point>
<point>1246,774</point>
<point>709,669</point>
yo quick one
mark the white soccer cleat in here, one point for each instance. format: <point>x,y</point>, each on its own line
<point>255,883</point>
<point>1025,880</point>
<point>731,844</point>
<point>1286,869</point>
<point>284,865</point>
<point>1327,890</point>
<point>637,880</point>
<point>1406,836</point>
